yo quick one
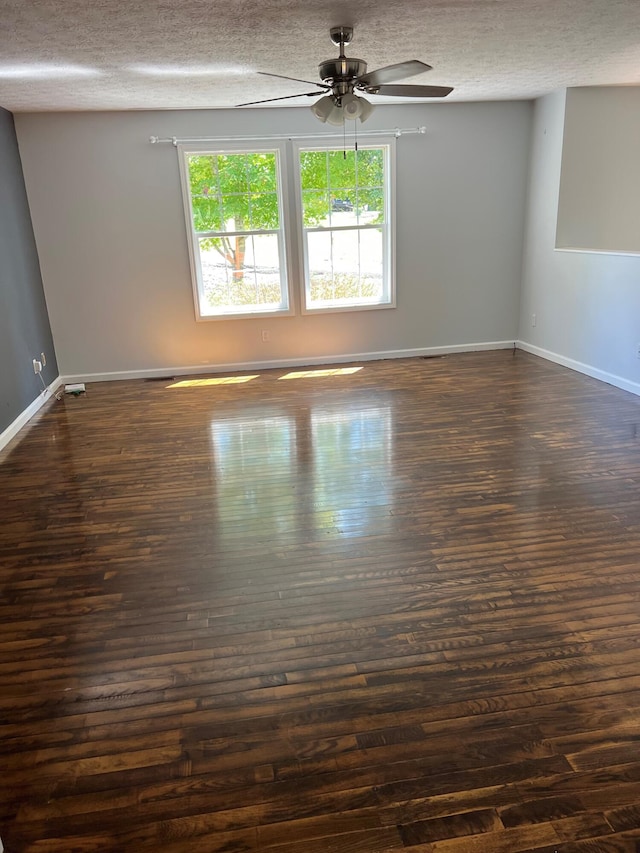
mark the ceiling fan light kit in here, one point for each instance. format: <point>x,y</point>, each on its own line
<point>335,111</point>
<point>354,107</point>
<point>344,76</point>
<point>327,110</point>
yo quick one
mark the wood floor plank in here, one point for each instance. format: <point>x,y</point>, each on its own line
<point>453,826</point>
<point>394,610</point>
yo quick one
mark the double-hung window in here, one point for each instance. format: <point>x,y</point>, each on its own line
<point>345,200</point>
<point>241,221</point>
<point>234,206</point>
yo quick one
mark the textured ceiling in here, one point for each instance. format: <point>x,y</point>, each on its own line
<point>180,54</point>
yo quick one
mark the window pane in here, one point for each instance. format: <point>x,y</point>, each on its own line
<point>313,170</point>
<point>345,267</point>
<point>231,173</point>
<point>243,198</point>
<point>343,211</point>
<point>370,206</point>
<point>235,213</point>
<point>370,167</point>
<point>262,176</point>
<point>315,208</point>
<point>201,175</point>
<point>207,213</point>
<point>320,260</point>
<point>240,274</point>
<point>342,171</point>
<point>264,214</point>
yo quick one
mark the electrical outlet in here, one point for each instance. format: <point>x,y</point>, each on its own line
<point>266,336</point>
<point>37,366</point>
<point>534,319</point>
<point>638,350</point>
<point>43,359</point>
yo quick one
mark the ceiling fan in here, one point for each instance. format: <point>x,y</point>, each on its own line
<point>344,76</point>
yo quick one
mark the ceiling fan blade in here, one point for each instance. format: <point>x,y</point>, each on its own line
<point>297,79</point>
<point>391,73</point>
<point>282,98</point>
<point>414,91</point>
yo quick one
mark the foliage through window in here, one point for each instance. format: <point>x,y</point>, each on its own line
<point>240,220</point>
<point>346,213</point>
<point>237,238</point>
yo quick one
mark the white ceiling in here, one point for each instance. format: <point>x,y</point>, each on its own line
<point>180,54</point>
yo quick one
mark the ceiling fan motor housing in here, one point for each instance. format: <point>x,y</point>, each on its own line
<point>342,72</point>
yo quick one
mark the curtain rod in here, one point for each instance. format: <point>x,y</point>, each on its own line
<point>175,140</point>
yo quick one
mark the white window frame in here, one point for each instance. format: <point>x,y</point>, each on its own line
<point>388,143</point>
<point>279,149</point>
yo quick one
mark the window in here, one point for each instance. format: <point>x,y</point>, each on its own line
<point>345,202</point>
<point>240,219</point>
<point>233,201</point>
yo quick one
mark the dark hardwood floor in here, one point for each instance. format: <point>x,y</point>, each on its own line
<point>390,610</point>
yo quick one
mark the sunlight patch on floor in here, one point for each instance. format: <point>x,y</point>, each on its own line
<point>330,371</point>
<point>217,380</point>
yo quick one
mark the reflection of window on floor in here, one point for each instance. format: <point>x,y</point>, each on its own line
<point>352,456</point>
<point>255,467</point>
<point>315,471</point>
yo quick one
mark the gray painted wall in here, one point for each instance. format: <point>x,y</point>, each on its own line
<point>24,323</point>
<point>108,218</point>
<point>599,204</point>
<point>587,305</point>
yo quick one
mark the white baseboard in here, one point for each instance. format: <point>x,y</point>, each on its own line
<point>300,361</point>
<point>587,369</point>
<point>23,419</point>
<point>153,373</point>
